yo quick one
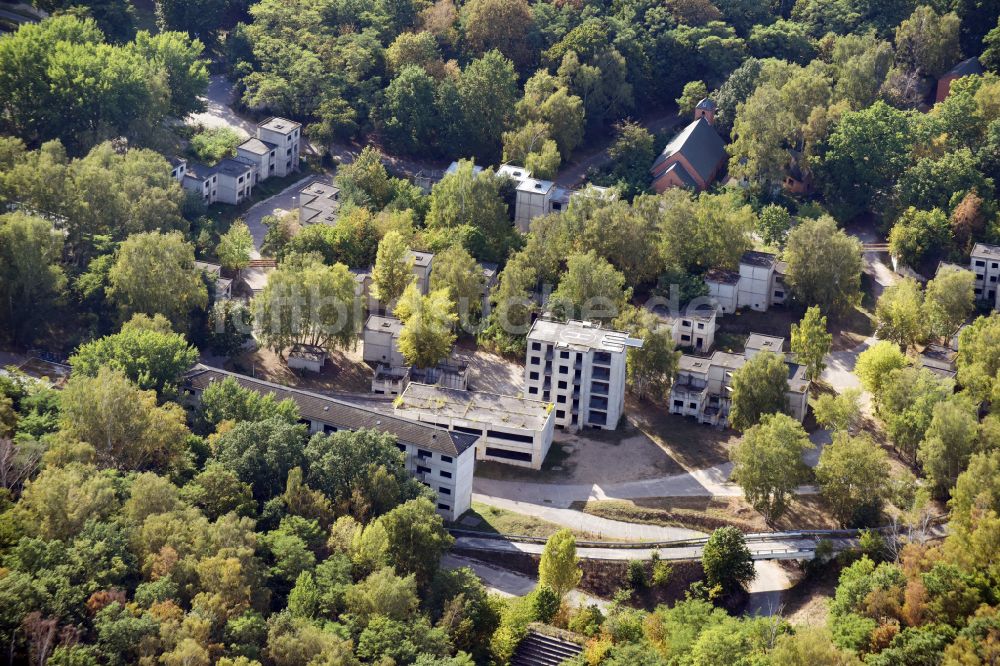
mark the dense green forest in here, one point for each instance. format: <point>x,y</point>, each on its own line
<point>136,531</point>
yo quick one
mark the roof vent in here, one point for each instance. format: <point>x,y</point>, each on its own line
<point>326,408</point>
<point>378,422</point>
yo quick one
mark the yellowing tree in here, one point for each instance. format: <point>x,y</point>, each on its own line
<point>428,321</point>
<point>559,567</point>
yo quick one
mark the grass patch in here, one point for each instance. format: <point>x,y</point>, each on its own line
<point>494,520</point>
<point>709,513</point>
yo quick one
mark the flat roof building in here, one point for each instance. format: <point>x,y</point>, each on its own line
<point>513,430</point>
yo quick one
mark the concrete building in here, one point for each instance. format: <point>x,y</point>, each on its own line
<point>307,357</point>
<point>759,283</point>
<point>967,67</point>
<point>534,197</point>
<point>723,286</point>
<point>703,384</point>
<point>202,180</point>
<point>380,341</point>
<point>285,135</point>
<point>178,168</point>
<point>692,159</point>
<point>423,263</point>
<point>984,262</point>
<point>442,460</point>
<point>511,430</point>
<point>261,155</point>
<point>691,328</point>
<point>229,181</point>
<point>319,203</point>
<point>580,367</point>
<point>235,183</point>
<point>940,360</point>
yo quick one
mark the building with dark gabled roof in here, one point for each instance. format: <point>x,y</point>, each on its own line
<point>695,156</point>
<point>967,67</point>
<point>442,460</point>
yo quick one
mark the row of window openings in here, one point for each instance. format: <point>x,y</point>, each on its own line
<point>980,263</point>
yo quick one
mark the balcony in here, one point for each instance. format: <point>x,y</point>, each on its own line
<point>597,402</point>
<point>603,374</point>
<point>598,389</point>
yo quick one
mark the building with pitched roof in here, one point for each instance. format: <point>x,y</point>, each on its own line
<point>692,159</point>
<point>967,67</point>
<point>442,460</point>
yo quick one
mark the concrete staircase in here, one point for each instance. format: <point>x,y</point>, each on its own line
<point>540,650</point>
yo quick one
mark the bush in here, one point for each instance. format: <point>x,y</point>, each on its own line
<point>637,575</point>
<point>544,603</point>
<point>212,145</point>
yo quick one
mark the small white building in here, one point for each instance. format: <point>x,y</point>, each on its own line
<point>306,357</point>
<point>703,384</point>
<point>723,287</point>
<point>985,264</point>
<point>758,284</point>
<point>511,430</point>
<point>580,367</point>
<point>380,341</point>
<point>442,460</point>
<point>285,136</point>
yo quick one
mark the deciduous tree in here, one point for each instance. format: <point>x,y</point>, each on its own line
<point>824,265</point>
<point>559,567</point>
<point>726,560</point>
<point>768,463</point>
<point>811,342</point>
<point>899,313</point>
<point>853,475</point>
<point>758,389</point>
<point>393,268</point>
<point>428,326</point>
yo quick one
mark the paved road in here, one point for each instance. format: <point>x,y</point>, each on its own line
<point>510,583</point>
<point>777,549</point>
<point>710,482</point>
<point>767,588</point>
<point>218,108</point>
<point>602,528</point>
<point>282,202</point>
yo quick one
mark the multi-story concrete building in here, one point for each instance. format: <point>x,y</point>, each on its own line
<point>580,367</point>
<point>229,181</point>
<point>759,283</point>
<point>691,328</point>
<point>202,180</point>
<point>235,181</point>
<point>703,384</point>
<point>985,265</point>
<point>261,155</point>
<point>442,460</point>
<point>285,135</point>
<point>319,203</point>
<point>511,430</point>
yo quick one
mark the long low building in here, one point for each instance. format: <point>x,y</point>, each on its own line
<point>511,430</point>
<point>442,460</point>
